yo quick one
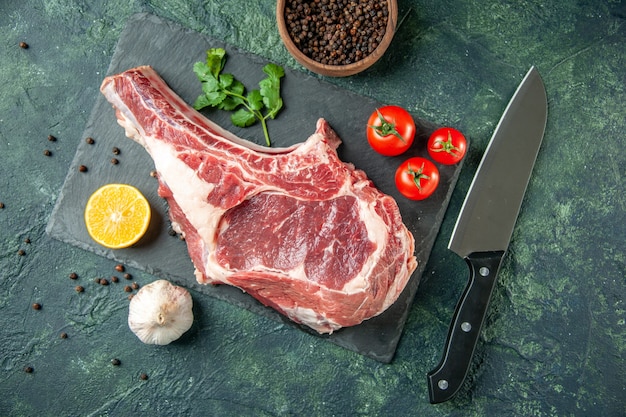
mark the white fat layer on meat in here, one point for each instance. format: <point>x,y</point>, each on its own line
<point>187,189</point>
<point>311,318</point>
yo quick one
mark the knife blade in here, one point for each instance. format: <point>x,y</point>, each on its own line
<point>485,224</point>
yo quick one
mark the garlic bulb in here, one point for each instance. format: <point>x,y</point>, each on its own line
<point>160,313</point>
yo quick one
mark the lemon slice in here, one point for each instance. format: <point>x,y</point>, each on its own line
<point>117,215</point>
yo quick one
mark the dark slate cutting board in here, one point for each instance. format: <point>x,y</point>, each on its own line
<point>172,51</point>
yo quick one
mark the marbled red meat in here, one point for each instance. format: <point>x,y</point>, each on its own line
<point>296,228</point>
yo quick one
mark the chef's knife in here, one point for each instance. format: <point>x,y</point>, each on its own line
<point>485,224</point>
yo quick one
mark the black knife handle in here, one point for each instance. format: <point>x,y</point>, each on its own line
<point>446,379</point>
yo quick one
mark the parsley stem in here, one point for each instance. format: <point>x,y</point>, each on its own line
<point>265,132</point>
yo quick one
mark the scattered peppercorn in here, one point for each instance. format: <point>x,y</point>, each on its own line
<point>21,252</point>
<point>116,362</point>
<point>73,275</point>
<point>128,276</point>
<point>119,268</point>
<point>143,376</point>
<point>130,297</point>
<point>128,288</point>
<point>79,288</point>
<point>1,205</point>
<point>153,174</point>
<point>82,168</point>
<point>171,232</point>
<point>116,151</point>
<point>115,161</point>
<point>135,286</point>
<point>336,32</point>
<point>63,335</point>
<point>28,369</point>
<point>27,240</point>
<point>52,138</point>
<point>104,281</point>
<point>96,280</point>
<point>114,278</point>
<point>23,45</point>
<point>90,140</point>
<point>47,152</point>
<point>36,306</point>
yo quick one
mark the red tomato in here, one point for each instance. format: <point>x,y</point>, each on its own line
<point>417,178</point>
<point>390,130</point>
<point>447,146</point>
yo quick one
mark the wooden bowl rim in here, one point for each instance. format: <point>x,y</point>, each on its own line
<point>337,70</point>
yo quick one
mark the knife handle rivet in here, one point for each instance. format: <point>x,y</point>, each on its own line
<point>466,327</point>
<point>442,384</point>
<point>484,271</point>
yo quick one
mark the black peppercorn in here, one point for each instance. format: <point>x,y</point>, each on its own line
<point>115,161</point>
<point>116,362</point>
<point>36,306</point>
<point>128,288</point>
<point>104,281</point>
<point>73,275</point>
<point>28,369</point>
<point>63,335</point>
<point>52,138</point>
<point>128,276</point>
<point>116,151</point>
<point>143,376</point>
<point>21,252</point>
<point>90,140</point>
<point>79,288</point>
<point>23,45</point>
<point>135,286</point>
<point>47,152</point>
<point>82,168</point>
<point>114,278</point>
<point>1,205</point>
<point>119,268</point>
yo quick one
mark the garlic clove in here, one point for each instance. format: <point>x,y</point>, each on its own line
<point>160,313</point>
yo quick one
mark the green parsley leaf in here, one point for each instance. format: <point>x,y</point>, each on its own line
<point>215,59</point>
<point>255,100</point>
<point>243,118</point>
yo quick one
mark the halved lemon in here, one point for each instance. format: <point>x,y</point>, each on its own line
<point>117,215</point>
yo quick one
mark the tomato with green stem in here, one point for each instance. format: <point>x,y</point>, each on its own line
<point>417,178</point>
<point>390,130</point>
<point>447,146</point>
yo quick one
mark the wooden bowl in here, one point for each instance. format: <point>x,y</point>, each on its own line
<point>337,70</point>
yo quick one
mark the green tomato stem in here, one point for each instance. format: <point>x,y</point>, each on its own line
<point>417,176</point>
<point>446,145</point>
<point>386,128</point>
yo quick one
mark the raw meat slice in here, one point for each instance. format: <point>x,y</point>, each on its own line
<point>296,228</point>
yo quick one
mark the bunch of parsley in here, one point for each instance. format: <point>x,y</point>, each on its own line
<point>224,92</point>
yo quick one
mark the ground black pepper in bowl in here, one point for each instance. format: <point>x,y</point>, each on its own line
<point>336,37</point>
